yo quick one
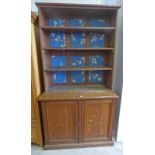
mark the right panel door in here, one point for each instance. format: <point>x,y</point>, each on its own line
<point>98,119</point>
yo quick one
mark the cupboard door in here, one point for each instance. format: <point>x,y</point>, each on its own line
<point>97,120</point>
<point>60,122</point>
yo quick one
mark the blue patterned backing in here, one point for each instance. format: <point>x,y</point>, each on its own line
<point>56,22</point>
<point>59,77</point>
<point>95,76</point>
<point>77,61</point>
<point>97,23</point>
<point>96,40</point>
<point>57,39</point>
<point>58,61</point>
<point>75,22</point>
<point>77,40</point>
<point>77,76</point>
<point>96,61</point>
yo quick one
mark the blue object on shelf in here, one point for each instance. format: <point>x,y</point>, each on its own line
<point>56,22</point>
<point>77,61</point>
<point>97,23</point>
<point>77,76</point>
<point>75,22</point>
<point>96,40</point>
<point>57,39</point>
<point>59,77</point>
<point>58,61</point>
<point>77,40</point>
<point>96,61</point>
<point>95,76</point>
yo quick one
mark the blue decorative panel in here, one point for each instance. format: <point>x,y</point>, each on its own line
<point>78,61</point>
<point>78,76</point>
<point>59,77</point>
<point>95,76</point>
<point>96,40</point>
<point>77,22</point>
<point>96,60</point>
<point>77,40</point>
<point>58,61</point>
<point>57,39</point>
<point>97,22</point>
<point>56,22</point>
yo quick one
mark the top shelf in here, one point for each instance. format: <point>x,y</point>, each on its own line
<point>78,29</point>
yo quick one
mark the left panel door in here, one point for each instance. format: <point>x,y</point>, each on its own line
<point>60,119</point>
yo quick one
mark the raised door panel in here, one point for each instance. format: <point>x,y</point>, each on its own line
<point>60,122</point>
<point>97,120</point>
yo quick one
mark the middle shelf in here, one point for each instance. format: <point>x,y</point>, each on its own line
<point>77,40</point>
<point>110,49</point>
<point>78,29</point>
<point>77,68</point>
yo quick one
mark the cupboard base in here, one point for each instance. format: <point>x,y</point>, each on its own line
<point>79,145</point>
<point>70,121</point>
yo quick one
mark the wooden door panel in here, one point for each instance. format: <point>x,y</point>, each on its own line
<point>96,119</point>
<point>61,122</point>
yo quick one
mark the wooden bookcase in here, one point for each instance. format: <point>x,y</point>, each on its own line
<point>77,48</point>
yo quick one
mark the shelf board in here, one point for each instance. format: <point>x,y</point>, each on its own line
<point>74,92</point>
<point>80,49</point>
<point>78,29</point>
<point>78,69</point>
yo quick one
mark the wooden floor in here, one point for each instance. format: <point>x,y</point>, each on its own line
<point>117,149</point>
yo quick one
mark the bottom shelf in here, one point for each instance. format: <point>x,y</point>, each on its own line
<point>77,78</point>
<point>79,88</point>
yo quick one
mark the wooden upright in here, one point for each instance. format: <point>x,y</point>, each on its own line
<point>36,85</point>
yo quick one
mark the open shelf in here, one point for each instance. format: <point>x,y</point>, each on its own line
<point>78,29</point>
<point>80,49</point>
<point>77,88</point>
<point>78,69</point>
<point>89,43</point>
<point>63,36</point>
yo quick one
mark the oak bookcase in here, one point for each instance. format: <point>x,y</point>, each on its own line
<point>77,48</point>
